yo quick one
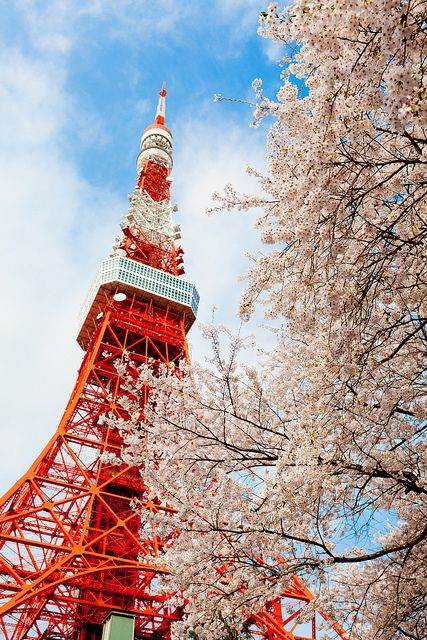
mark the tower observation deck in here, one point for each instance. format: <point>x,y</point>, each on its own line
<point>75,556</point>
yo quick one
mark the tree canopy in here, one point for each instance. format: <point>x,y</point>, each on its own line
<point>313,461</point>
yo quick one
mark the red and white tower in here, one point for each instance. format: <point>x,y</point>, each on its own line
<point>74,554</point>
<point>71,547</point>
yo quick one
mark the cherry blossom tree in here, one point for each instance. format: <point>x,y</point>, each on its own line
<point>313,462</point>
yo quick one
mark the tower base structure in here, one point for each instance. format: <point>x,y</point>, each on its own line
<point>72,545</point>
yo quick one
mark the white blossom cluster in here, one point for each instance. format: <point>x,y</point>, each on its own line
<point>314,463</point>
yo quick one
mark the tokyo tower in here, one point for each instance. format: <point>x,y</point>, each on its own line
<point>74,553</point>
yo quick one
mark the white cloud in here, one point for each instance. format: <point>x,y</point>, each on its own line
<point>274,51</point>
<point>209,156</point>
<point>45,258</point>
<point>242,14</point>
<point>30,118</point>
<point>56,26</point>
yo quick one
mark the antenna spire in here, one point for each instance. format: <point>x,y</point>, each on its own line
<point>161,106</point>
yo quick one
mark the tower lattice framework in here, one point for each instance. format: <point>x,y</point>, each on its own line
<point>72,547</point>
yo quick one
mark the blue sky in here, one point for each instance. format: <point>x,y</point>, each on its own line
<point>78,83</point>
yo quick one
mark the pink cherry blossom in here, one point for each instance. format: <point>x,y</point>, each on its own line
<point>313,461</point>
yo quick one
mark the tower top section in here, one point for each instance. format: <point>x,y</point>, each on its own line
<point>156,141</point>
<point>146,264</point>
